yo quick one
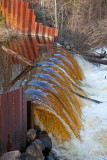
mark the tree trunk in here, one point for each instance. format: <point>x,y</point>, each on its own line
<point>56,21</point>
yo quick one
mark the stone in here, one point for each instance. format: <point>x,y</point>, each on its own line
<point>12,155</point>
<point>68,47</point>
<point>31,135</point>
<point>53,154</point>
<point>35,151</point>
<point>47,143</point>
<point>49,158</point>
<point>39,143</point>
<point>43,133</point>
<point>37,129</point>
<point>31,150</point>
<point>26,156</point>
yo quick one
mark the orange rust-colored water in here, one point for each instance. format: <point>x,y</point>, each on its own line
<point>52,123</point>
<point>58,108</point>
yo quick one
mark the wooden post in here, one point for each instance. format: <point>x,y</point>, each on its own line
<point>30,117</point>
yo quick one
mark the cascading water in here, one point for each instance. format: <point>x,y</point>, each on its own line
<point>93,134</point>
<point>57,107</point>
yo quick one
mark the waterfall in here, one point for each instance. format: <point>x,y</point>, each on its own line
<point>57,108</point>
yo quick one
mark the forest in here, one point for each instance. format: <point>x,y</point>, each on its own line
<point>82,22</point>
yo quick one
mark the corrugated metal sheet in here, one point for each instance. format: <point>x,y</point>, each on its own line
<point>20,17</point>
<point>28,47</point>
<point>13,120</point>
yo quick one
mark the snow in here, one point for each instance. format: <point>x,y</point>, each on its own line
<point>100,50</point>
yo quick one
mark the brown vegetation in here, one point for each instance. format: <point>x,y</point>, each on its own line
<point>5,32</point>
<point>82,22</point>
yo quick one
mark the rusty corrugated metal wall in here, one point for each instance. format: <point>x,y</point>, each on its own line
<point>20,17</point>
<point>28,47</point>
<point>13,120</point>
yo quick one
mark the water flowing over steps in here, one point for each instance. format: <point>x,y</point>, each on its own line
<point>53,84</point>
<point>20,17</point>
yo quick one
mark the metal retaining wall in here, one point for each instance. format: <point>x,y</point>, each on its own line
<point>13,120</point>
<point>20,17</point>
<point>28,47</point>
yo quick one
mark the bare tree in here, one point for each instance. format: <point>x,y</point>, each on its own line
<point>56,21</point>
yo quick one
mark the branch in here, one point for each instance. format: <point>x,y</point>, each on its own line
<point>24,72</point>
<point>16,55</point>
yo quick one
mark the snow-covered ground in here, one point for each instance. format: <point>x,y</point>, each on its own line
<point>93,144</point>
<point>100,50</point>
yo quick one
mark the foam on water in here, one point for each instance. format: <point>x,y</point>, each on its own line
<point>93,143</point>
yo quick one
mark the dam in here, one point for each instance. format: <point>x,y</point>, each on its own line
<point>66,98</point>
